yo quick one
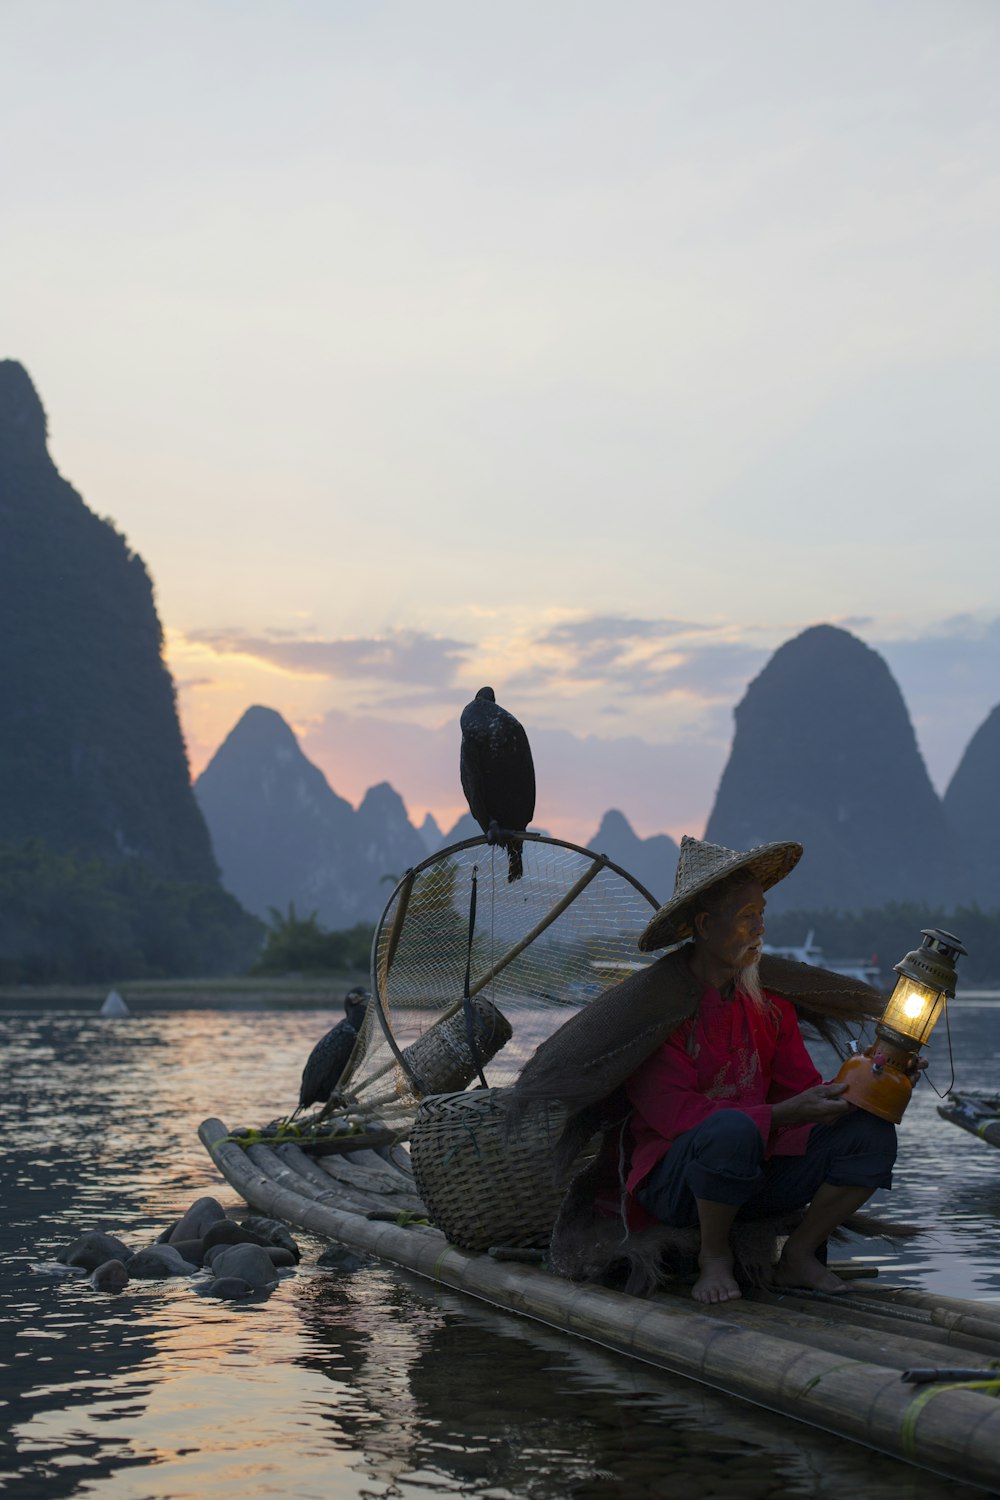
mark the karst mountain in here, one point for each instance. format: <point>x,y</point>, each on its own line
<point>91,758</point>
<point>824,752</point>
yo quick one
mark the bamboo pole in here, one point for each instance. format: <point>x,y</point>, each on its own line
<point>912,1297</point>
<point>900,1346</point>
<point>507,958</point>
<point>970,1324</point>
<point>908,1322</point>
<point>954,1432</point>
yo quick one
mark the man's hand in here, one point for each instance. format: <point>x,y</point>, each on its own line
<point>820,1105</point>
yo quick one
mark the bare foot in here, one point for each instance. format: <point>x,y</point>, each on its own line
<point>802,1269</point>
<point>716,1282</point>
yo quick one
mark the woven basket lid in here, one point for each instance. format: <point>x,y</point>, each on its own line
<point>702,865</point>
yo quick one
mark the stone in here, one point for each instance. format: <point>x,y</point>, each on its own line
<point>272,1232</point>
<point>250,1262</point>
<point>198,1219</point>
<point>190,1250</point>
<point>110,1277</point>
<point>157,1261</point>
<point>229,1288</point>
<point>228,1232</point>
<point>339,1258</point>
<point>279,1256</point>
<point>92,1250</point>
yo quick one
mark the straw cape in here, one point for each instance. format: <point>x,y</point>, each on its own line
<point>584,1065</point>
<point>702,865</point>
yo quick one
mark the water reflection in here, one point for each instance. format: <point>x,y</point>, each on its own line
<point>368,1383</point>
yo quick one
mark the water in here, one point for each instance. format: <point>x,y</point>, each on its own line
<point>375,1383</point>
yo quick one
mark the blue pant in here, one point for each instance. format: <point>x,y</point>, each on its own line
<point>722,1160</point>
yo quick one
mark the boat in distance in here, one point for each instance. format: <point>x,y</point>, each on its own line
<point>867,970</point>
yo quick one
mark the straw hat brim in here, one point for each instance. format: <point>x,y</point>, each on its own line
<point>767,863</point>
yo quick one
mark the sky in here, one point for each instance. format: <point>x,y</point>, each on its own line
<point>590,350</point>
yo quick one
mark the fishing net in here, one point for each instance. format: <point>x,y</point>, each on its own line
<point>470,973</point>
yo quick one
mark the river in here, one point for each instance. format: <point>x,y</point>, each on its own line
<point>370,1383</point>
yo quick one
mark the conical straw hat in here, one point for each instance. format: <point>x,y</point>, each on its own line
<point>702,865</point>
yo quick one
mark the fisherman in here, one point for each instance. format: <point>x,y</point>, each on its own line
<point>697,1073</point>
<point>729,1114</point>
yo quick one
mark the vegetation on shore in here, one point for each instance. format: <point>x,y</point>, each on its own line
<point>299,945</point>
<point>68,918</point>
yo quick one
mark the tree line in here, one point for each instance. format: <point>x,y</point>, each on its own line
<point>884,934</point>
<point>66,918</point>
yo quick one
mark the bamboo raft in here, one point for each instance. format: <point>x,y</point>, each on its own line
<point>835,1363</point>
<point>979,1114</point>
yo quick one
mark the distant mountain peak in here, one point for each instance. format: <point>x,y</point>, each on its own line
<point>972,807</point>
<point>824,752</point>
<point>283,835</point>
<point>23,423</point>
<point>651,861</point>
<point>263,728</point>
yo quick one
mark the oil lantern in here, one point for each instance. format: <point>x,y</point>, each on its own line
<point>881,1079</point>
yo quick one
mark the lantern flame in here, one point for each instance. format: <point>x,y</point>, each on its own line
<point>914,1004</point>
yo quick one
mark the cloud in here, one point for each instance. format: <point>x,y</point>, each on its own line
<point>627,665</point>
<point>407,656</point>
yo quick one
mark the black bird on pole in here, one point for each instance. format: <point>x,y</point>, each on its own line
<point>498,774</point>
<point>328,1059</point>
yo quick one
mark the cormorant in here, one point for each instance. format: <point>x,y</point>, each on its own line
<point>328,1059</point>
<point>498,774</point>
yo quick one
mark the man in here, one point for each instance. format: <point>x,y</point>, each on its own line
<point>695,1071</point>
<point>729,1114</point>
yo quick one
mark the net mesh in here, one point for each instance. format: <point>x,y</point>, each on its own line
<point>542,946</point>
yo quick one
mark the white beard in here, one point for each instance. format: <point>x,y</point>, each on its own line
<point>748,982</point>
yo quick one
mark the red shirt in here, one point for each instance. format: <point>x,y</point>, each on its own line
<point>729,1055</point>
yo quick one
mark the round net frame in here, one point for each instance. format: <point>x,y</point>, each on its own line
<point>541,947</point>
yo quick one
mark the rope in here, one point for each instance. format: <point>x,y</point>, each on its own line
<point>908,1430</point>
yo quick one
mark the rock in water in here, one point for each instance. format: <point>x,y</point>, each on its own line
<point>92,1250</point>
<point>339,1258</point>
<point>228,1232</point>
<point>202,1214</point>
<point>114,1005</point>
<point>272,1232</point>
<point>249,1262</point>
<point>824,752</point>
<point>110,1277</point>
<point>157,1261</point>
<point>228,1289</point>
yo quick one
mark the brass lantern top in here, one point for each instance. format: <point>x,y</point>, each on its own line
<point>933,963</point>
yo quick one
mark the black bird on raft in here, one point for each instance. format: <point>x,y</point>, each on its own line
<point>498,774</point>
<point>328,1059</point>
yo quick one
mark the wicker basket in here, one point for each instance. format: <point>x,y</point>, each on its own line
<point>483,1186</point>
<point>441,1059</point>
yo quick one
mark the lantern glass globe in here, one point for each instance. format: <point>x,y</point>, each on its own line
<point>912,1010</point>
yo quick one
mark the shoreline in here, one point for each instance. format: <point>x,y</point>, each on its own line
<point>308,991</point>
<point>243,992</point>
